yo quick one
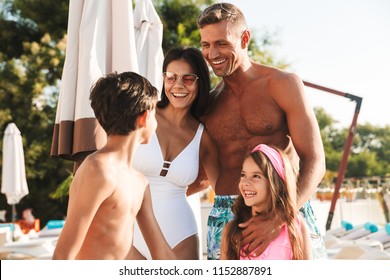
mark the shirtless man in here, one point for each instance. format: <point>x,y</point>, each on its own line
<point>255,104</point>
<point>102,204</point>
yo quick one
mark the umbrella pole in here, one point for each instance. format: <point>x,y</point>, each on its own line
<point>14,214</point>
<point>13,220</point>
<point>342,169</point>
<point>381,197</point>
<point>347,146</point>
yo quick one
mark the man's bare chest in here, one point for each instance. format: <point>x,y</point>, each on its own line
<point>238,118</point>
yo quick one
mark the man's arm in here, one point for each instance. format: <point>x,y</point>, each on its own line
<point>259,233</point>
<point>154,238</point>
<point>289,94</point>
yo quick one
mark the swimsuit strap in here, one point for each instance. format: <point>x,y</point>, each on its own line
<point>164,169</point>
<point>166,165</point>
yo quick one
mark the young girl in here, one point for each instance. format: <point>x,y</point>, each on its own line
<point>268,188</point>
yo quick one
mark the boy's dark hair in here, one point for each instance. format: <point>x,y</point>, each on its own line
<point>118,99</point>
<point>194,58</point>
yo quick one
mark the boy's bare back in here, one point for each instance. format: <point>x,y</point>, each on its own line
<point>107,194</point>
<point>105,197</point>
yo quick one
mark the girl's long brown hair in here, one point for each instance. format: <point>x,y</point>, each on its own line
<point>282,201</point>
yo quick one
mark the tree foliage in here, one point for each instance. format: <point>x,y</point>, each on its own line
<point>369,154</point>
<point>30,69</point>
<point>179,21</point>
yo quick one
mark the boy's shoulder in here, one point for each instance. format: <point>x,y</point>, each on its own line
<point>94,163</point>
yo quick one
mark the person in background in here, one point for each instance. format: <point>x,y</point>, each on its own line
<point>29,222</point>
<point>253,104</point>
<point>268,189</point>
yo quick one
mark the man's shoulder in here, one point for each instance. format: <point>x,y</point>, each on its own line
<point>280,81</point>
<point>280,75</point>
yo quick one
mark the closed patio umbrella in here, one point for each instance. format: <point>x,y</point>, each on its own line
<point>13,179</point>
<point>100,40</point>
<point>148,35</point>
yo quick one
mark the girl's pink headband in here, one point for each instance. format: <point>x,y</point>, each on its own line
<point>275,158</point>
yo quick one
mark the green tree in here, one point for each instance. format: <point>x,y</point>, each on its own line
<point>30,69</point>
<point>179,21</point>
<point>28,20</point>
<point>260,49</point>
<point>332,140</point>
<point>369,155</point>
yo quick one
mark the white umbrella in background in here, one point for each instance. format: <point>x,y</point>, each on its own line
<point>149,35</point>
<point>13,180</point>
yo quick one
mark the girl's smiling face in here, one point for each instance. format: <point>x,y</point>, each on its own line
<point>254,186</point>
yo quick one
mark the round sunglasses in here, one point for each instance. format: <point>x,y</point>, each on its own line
<point>187,79</point>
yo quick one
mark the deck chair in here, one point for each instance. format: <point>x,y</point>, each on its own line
<point>375,254</point>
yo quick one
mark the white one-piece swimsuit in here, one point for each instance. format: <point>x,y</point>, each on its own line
<point>171,209</point>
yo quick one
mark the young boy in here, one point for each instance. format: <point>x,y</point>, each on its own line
<point>107,193</point>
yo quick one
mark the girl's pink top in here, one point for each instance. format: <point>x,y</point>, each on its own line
<point>278,249</point>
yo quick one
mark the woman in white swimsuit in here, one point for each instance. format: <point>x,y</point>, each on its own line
<point>172,158</point>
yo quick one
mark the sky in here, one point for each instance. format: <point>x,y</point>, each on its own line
<point>340,44</point>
